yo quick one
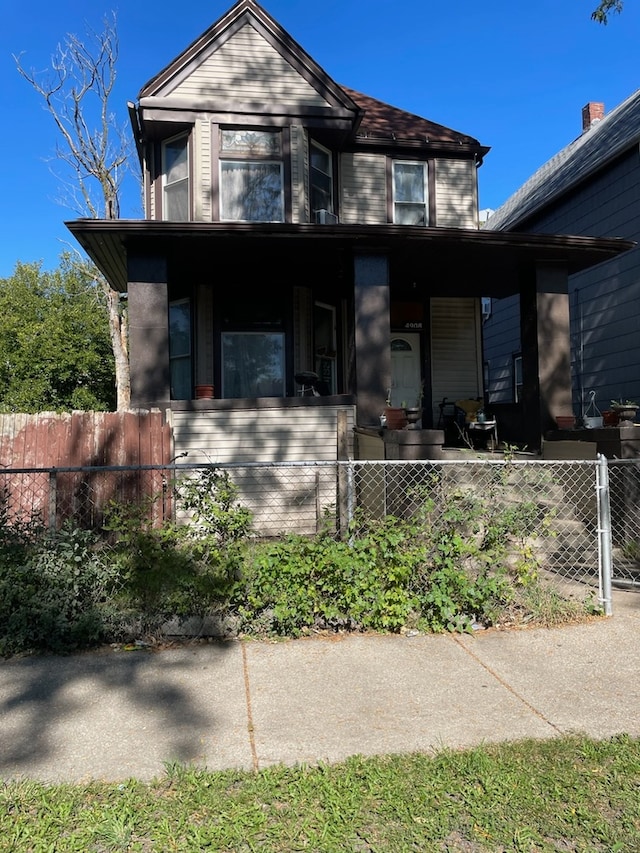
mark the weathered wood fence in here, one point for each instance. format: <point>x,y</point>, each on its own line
<point>53,463</point>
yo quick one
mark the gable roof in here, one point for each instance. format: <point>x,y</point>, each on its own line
<point>246,13</point>
<point>586,155</point>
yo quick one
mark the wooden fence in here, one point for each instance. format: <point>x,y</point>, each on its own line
<point>84,439</point>
<point>37,451</point>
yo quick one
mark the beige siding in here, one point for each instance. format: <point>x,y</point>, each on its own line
<point>246,68</point>
<point>202,171</point>
<point>456,361</point>
<point>260,435</point>
<point>280,499</point>
<point>456,194</point>
<point>363,189</point>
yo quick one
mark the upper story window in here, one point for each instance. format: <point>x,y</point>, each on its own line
<point>251,176</point>
<point>320,179</point>
<point>175,178</point>
<point>410,196</point>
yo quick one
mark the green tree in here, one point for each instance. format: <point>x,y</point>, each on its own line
<point>606,8</point>
<point>55,348</point>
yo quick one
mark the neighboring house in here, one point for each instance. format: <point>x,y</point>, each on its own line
<point>591,187</point>
<point>293,225</point>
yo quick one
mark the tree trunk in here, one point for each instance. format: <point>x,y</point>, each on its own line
<point>118,329</point>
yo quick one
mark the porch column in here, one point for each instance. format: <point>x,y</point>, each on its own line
<point>546,350</point>
<point>372,336</point>
<point>148,331</point>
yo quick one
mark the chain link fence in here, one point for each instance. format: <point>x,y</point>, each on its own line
<point>582,531</point>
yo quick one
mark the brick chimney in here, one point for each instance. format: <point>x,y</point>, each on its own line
<point>592,113</point>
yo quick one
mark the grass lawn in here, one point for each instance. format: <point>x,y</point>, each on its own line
<point>568,794</point>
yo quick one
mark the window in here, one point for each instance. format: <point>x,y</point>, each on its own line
<point>180,349</point>
<point>251,176</point>
<point>253,364</point>
<point>324,334</point>
<point>175,179</point>
<point>253,345</point>
<point>410,193</point>
<point>320,179</point>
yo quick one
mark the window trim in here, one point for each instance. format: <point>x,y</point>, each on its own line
<point>426,172</point>
<point>332,202</point>
<point>240,157</point>
<point>163,176</point>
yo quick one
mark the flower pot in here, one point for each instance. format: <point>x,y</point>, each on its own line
<point>610,418</point>
<point>204,392</point>
<point>396,418</point>
<point>565,421</point>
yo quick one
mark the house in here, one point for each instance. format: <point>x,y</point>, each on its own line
<point>296,226</point>
<point>591,187</point>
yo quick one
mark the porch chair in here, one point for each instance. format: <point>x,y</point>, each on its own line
<point>474,424</point>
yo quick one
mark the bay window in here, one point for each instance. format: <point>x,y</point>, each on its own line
<point>251,176</point>
<point>410,197</point>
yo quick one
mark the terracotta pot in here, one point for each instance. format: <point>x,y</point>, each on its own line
<point>204,392</point>
<point>396,418</point>
<point>565,421</point>
<point>610,418</point>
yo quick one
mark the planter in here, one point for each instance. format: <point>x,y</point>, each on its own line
<point>413,415</point>
<point>565,421</point>
<point>204,392</point>
<point>625,413</point>
<point>610,418</point>
<point>396,418</point>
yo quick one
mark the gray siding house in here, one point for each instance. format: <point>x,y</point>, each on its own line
<point>591,187</point>
<point>295,226</point>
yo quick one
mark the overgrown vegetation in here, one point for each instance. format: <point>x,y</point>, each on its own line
<point>564,794</point>
<point>457,559</point>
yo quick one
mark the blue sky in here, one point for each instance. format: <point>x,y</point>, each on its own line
<point>513,75</point>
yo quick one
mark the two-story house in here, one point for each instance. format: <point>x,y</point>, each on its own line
<point>294,225</point>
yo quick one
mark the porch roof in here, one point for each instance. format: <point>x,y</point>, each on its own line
<point>450,261</point>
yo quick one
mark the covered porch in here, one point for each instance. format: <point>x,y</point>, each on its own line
<point>288,283</point>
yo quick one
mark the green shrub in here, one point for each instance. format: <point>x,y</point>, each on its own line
<point>53,593</point>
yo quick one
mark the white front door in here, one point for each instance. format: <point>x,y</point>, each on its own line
<point>405,369</point>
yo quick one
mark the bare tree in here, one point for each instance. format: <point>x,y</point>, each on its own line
<point>94,150</point>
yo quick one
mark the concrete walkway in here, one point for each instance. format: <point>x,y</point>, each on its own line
<point>115,714</point>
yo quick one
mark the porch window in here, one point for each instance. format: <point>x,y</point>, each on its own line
<point>253,364</point>
<point>175,179</point>
<point>410,193</point>
<point>180,349</point>
<point>251,176</point>
<point>320,179</point>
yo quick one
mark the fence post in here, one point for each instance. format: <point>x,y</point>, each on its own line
<point>53,499</point>
<point>346,496</point>
<point>604,531</point>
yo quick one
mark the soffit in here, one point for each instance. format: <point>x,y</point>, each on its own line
<point>440,260</point>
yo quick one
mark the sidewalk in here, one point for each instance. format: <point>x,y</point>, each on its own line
<point>115,714</point>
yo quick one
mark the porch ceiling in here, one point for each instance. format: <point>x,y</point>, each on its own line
<point>437,261</point>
